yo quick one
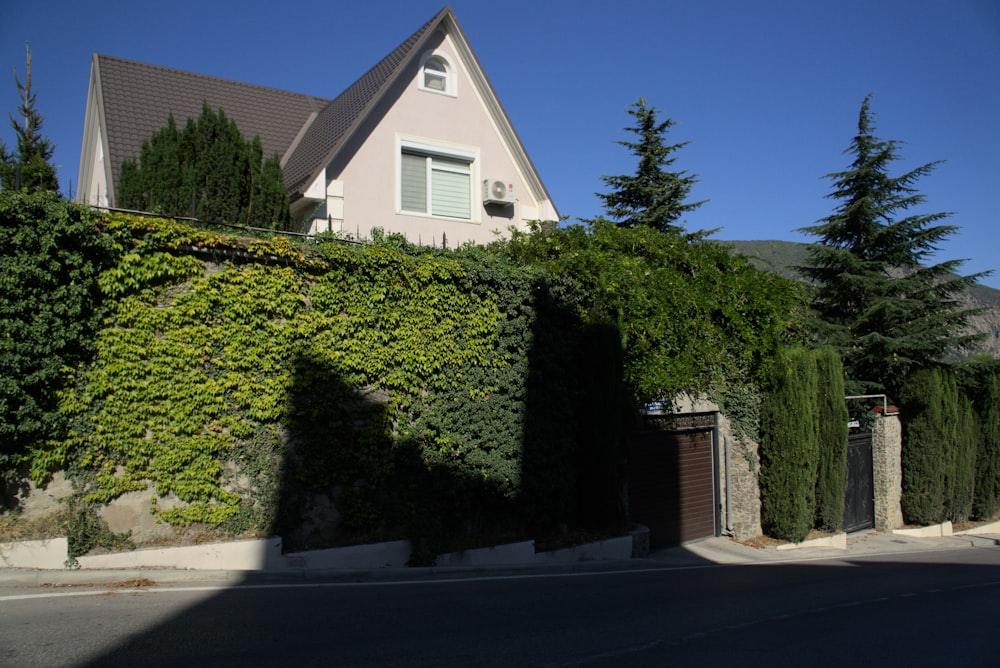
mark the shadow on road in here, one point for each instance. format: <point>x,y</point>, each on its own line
<point>934,613</point>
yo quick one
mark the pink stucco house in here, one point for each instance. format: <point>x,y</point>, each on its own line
<point>420,145</point>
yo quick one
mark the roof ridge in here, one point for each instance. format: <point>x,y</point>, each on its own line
<point>199,75</point>
<point>339,118</point>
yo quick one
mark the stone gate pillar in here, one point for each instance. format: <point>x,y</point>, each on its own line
<point>887,448</point>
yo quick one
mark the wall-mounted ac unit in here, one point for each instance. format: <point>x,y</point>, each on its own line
<point>496,191</point>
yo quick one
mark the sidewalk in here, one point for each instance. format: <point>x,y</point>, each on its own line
<point>722,550</point>
<point>709,552</point>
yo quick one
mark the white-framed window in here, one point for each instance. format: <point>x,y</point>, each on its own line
<point>436,74</point>
<point>436,181</point>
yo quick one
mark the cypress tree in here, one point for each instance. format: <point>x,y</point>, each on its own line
<point>269,201</point>
<point>789,451</point>
<point>878,305</point>
<point>964,467</point>
<point>986,500</point>
<point>654,196</point>
<point>925,451</point>
<point>831,476</point>
<point>208,171</point>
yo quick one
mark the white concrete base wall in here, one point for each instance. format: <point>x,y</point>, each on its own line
<point>43,554</point>
<point>242,555</point>
<point>613,548</point>
<point>265,555</point>
<point>511,553</point>
<point>933,531</point>
<point>393,554</point>
<point>837,541</point>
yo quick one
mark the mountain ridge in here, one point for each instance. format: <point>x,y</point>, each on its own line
<point>781,257</point>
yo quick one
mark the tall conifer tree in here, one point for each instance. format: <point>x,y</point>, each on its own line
<point>831,475</point>
<point>789,448</point>
<point>209,171</point>
<point>929,400</point>
<point>654,196</point>
<point>28,166</point>
<point>878,304</point>
<point>987,487</point>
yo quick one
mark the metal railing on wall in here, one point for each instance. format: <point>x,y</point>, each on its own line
<point>260,232</point>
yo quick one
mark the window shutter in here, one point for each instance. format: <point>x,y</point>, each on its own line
<point>450,188</point>
<point>413,194</point>
<point>450,195</point>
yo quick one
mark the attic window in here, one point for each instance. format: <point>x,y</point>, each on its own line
<point>436,75</point>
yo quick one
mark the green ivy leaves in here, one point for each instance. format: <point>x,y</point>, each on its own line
<point>194,357</point>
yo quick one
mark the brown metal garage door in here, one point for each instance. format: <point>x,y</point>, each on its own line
<point>671,485</point>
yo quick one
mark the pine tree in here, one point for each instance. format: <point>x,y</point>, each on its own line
<point>269,201</point>
<point>27,167</point>
<point>878,305</point>
<point>653,196</point>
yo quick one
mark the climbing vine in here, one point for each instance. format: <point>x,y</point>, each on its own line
<point>198,356</point>
<point>422,392</point>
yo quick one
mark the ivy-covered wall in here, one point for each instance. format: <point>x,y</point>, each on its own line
<point>468,395</point>
<point>425,396</point>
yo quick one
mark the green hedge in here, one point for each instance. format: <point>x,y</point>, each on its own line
<point>425,393</point>
<point>987,489</point>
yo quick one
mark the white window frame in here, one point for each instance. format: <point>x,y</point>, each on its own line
<point>448,77</point>
<point>444,152</point>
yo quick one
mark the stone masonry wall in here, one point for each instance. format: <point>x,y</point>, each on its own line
<point>744,492</point>
<point>887,445</point>
<point>739,492</point>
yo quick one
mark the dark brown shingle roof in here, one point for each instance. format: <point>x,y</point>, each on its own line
<point>335,123</point>
<point>138,98</point>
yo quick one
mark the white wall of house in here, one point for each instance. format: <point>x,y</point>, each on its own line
<point>363,184</point>
<point>92,179</point>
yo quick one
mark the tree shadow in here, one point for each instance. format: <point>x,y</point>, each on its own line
<point>778,610</point>
<point>354,474</point>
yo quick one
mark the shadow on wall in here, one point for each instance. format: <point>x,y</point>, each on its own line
<point>541,455</point>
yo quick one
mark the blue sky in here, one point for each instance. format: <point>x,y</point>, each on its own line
<point>767,92</point>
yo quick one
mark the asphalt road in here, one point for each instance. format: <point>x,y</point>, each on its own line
<point>925,609</point>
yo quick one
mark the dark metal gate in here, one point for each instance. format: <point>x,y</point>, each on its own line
<point>859,500</point>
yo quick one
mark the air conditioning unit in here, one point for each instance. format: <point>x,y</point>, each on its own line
<point>496,191</point>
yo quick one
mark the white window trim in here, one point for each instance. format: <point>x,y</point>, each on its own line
<point>450,75</point>
<point>444,150</point>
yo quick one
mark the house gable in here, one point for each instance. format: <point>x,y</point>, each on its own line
<point>364,177</point>
<point>334,154</point>
<point>128,102</point>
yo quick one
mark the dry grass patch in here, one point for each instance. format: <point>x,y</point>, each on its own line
<point>14,527</point>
